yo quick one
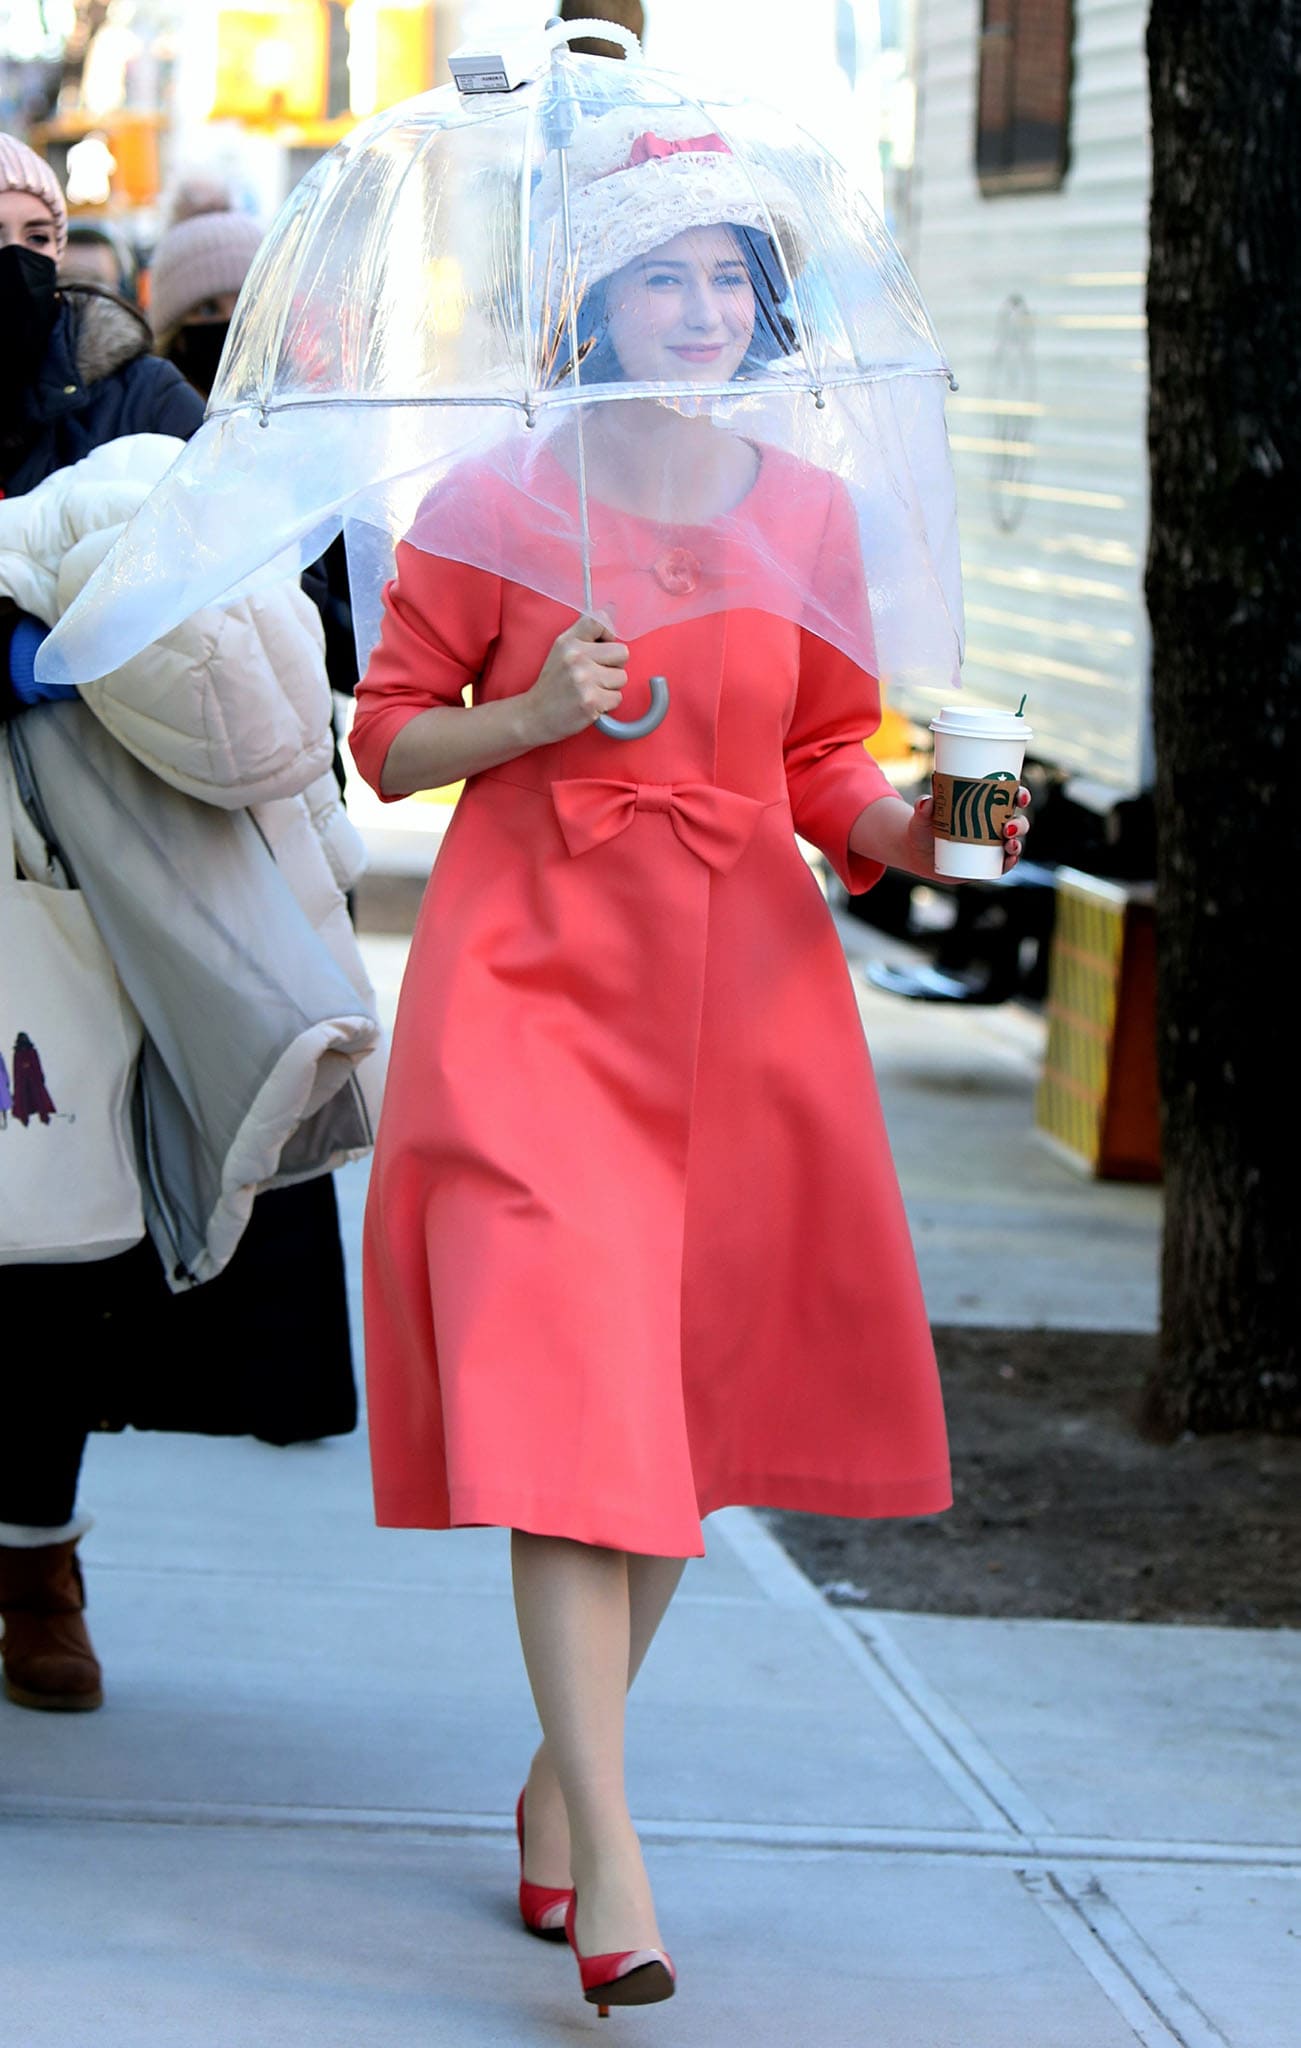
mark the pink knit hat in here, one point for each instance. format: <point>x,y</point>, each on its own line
<point>196,260</point>
<point>21,170</point>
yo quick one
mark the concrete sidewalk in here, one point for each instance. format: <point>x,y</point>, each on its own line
<point>291,1822</point>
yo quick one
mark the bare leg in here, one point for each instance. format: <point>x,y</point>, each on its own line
<point>652,1582</point>
<point>575,1615</point>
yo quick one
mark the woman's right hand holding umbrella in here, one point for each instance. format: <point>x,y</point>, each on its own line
<point>582,679</point>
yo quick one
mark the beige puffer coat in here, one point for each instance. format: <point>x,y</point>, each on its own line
<point>232,712</point>
<point>233,707</point>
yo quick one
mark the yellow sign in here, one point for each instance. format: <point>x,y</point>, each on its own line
<point>390,53</point>
<point>277,65</point>
<point>271,62</point>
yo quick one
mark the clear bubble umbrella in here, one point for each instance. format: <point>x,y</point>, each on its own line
<point>554,321</point>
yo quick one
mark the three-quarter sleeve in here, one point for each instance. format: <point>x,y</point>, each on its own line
<point>830,775</point>
<point>440,623</point>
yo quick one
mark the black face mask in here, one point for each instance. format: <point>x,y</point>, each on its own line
<point>196,352</point>
<point>29,300</point>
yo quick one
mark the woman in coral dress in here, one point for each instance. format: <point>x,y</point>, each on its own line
<point>635,1246</point>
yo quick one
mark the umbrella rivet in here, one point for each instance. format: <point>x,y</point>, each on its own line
<point>819,400</point>
<point>530,417</point>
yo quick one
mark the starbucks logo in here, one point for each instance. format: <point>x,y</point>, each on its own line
<point>974,810</point>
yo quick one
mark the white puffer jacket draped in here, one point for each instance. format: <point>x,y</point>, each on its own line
<point>231,709</point>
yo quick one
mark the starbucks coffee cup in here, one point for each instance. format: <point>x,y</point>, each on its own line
<point>978,757</point>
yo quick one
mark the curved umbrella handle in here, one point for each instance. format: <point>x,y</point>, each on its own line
<point>637,728</point>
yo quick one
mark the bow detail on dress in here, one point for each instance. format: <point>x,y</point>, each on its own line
<point>715,824</point>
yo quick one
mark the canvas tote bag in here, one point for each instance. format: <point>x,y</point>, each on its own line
<point>69,1042</point>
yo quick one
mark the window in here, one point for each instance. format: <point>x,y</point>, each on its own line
<point>1023,122</point>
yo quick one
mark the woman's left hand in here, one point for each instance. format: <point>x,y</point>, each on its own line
<point>919,839</point>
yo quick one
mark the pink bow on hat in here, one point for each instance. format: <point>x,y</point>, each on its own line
<point>650,145</point>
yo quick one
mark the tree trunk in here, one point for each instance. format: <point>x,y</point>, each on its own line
<point>1224,569</point>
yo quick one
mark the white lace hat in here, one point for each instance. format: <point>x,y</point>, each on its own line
<point>633,187</point>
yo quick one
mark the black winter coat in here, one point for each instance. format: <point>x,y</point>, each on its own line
<point>264,1349</point>
<point>99,381</point>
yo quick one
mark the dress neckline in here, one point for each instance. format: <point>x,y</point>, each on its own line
<point>762,470</point>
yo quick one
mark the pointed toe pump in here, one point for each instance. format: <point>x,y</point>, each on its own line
<point>542,1907</point>
<point>635,1976</point>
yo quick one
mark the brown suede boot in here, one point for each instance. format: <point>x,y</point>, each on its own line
<point>46,1652</point>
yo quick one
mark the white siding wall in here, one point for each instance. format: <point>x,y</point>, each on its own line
<point>1054,606</point>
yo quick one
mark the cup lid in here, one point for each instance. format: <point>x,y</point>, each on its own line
<point>981,722</point>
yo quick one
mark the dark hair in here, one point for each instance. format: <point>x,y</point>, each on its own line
<point>774,331</point>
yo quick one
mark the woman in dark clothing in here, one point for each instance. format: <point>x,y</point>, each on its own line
<point>31,1096</point>
<point>75,368</point>
<point>199,265</point>
<point>266,1343</point>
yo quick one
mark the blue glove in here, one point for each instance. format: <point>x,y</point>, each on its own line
<point>25,640</point>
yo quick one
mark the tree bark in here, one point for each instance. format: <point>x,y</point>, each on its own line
<point>1224,569</point>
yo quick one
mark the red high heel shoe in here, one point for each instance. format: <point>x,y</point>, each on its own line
<point>542,1907</point>
<point>634,1976</point>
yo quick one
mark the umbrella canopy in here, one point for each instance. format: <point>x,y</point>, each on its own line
<point>604,317</point>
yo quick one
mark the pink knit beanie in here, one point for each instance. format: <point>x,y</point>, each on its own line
<point>21,170</point>
<point>196,260</point>
<point>200,192</point>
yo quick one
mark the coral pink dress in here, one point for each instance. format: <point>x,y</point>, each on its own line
<point>635,1246</point>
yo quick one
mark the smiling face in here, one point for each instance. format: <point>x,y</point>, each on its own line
<point>683,311</point>
<point>27,220</point>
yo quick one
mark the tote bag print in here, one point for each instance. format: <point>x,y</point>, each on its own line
<point>69,1041</point>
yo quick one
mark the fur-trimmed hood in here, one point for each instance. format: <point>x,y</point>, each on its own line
<point>107,333</point>
<point>100,380</point>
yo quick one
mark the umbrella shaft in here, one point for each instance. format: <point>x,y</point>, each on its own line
<point>572,303</point>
